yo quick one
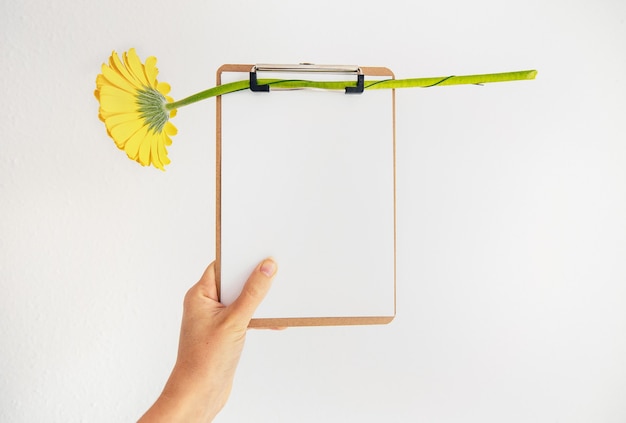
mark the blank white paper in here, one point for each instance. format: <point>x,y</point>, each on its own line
<point>307,177</point>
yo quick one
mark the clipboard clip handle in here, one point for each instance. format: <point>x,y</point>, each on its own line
<point>310,68</point>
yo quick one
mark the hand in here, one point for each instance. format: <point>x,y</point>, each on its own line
<point>211,340</point>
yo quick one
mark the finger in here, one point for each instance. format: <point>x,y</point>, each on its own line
<point>207,284</point>
<point>253,292</point>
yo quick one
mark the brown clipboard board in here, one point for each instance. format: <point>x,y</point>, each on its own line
<point>287,320</point>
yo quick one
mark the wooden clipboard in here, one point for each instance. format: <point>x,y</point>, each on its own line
<point>308,177</point>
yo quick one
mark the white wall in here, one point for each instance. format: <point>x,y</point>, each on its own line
<point>511,214</point>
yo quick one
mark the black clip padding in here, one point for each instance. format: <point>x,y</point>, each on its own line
<point>254,85</point>
<point>360,85</point>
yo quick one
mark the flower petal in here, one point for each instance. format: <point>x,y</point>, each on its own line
<point>121,133</point>
<point>122,118</point>
<point>154,153</point>
<point>151,71</point>
<point>163,88</point>
<point>134,142</point>
<point>133,64</point>
<point>144,150</point>
<point>162,150</point>
<point>116,64</point>
<point>111,103</point>
<point>170,129</point>
<point>115,91</point>
<point>115,78</point>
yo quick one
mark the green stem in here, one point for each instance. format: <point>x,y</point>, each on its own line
<point>369,85</point>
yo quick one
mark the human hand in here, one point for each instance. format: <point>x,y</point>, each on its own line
<point>211,340</point>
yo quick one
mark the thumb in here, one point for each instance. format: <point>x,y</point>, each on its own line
<point>253,292</point>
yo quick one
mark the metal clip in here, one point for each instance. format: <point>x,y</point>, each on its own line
<point>310,68</point>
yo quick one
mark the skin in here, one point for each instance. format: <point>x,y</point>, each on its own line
<point>211,340</point>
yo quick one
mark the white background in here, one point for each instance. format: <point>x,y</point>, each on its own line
<point>511,214</point>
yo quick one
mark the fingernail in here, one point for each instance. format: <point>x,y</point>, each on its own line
<point>268,268</point>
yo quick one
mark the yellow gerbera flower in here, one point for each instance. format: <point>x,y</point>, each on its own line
<point>132,107</point>
<point>136,109</point>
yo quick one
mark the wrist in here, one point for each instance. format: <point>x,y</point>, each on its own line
<point>182,400</point>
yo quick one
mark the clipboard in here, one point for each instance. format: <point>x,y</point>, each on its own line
<point>308,178</point>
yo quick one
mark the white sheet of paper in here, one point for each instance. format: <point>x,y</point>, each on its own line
<point>308,178</point>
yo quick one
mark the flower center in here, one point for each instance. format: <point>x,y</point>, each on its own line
<point>151,106</point>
